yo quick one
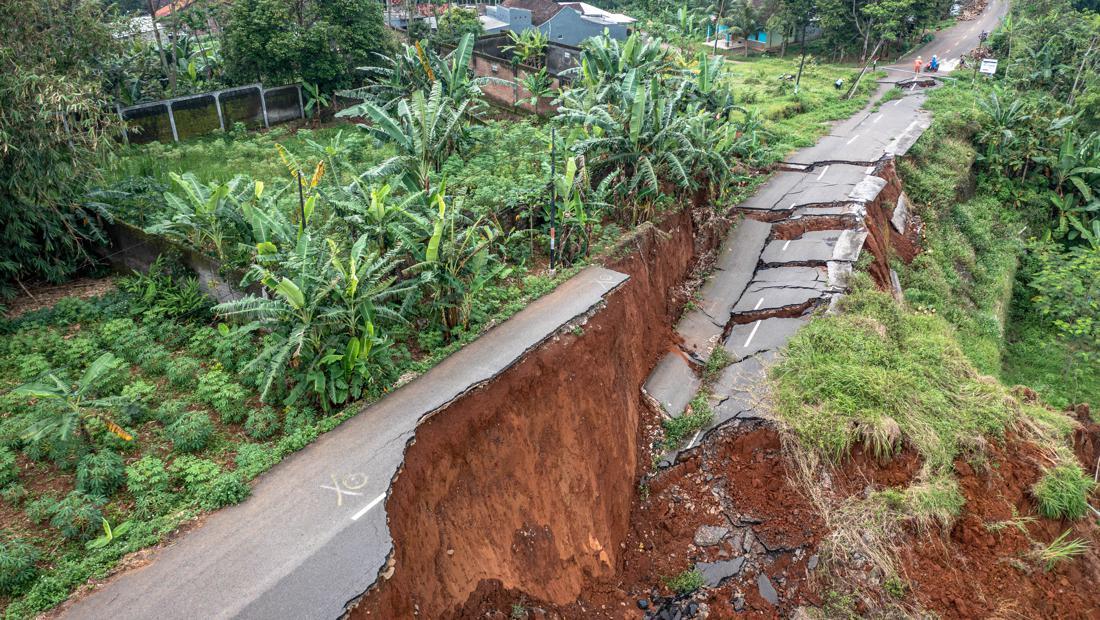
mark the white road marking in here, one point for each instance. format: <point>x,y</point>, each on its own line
<point>758,304</point>
<point>897,102</point>
<point>823,171</point>
<point>852,140</point>
<point>786,244</point>
<point>877,119</point>
<point>752,334</point>
<point>697,433</point>
<point>869,170</point>
<point>374,502</point>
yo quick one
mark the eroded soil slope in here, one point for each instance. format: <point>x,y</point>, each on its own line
<point>527,484</point>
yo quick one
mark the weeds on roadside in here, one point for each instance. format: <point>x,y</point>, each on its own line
<point>1060,549</point>
<point>680,428</point>
<point>716,363</point>
<point>1063,491</point>
<point>686,582</point>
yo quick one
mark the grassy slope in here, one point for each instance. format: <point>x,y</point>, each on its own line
<point>921,374</point>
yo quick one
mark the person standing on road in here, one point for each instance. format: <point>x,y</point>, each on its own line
<point>918,64</point>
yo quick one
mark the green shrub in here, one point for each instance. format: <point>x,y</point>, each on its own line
<point>14,494</point>
<point>17,565</point>
<point>39,510</point>
<point>115,334</point>
<point>254,459</point>
<point>191,432</point>
<point>100,473</point>
<point>298,416</point>
<point>1063,492</point>
<point>296,440</point>
<point>146,476</point>
<point>182,372</point>
<point>193,473</point>
<point>31,366</point>
<point>9,470</point>
<point>686,582</point>
<point>139,391</point>
<point>78,516</point>
<point>170,411</point>
<point>225,490</point>
<point>78,352</point>
<point>262,423</point>
<point>154,361</point>
<point>227,397</point>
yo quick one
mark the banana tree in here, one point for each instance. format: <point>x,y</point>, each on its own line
<point>207,217</point>
<point>321,313</point>
<point>80,403</point>
<point>456,261</point>
<point>424,131</point>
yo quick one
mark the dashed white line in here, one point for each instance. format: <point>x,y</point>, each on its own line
<point>854,138</point>
<point>877,119</point>
<point>752,334</point>
<point>897,102</point>
<point>785,245</point>
<point>758,304</point>
<point>374,502</point>
<point>823,171</point>
<point>697,433</point>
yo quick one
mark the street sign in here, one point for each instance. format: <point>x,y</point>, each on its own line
<point>989,66</point>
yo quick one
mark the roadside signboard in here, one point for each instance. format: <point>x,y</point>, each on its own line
<point>989,66</point>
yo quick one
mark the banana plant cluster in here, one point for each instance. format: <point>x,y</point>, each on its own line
<point>646,129</point>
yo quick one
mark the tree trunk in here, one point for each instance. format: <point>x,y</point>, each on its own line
<point>160,45</point>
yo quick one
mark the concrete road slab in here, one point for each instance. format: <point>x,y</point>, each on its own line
<point>314,533</point>
<point>777,297</point>
<point>672,383</point>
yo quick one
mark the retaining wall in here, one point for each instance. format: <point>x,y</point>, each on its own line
<point>172,120</point>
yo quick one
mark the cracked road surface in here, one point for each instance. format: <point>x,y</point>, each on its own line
<point>314,535</point>
<point>780,280</point>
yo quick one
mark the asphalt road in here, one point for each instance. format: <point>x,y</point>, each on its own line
<point>314,535</point>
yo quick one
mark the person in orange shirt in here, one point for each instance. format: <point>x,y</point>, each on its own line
<point>918,64</point>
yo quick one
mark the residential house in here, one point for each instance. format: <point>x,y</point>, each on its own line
<point>565,23</point>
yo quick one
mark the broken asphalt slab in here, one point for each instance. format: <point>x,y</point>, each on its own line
<point>672,383</point>
<point>766,335</point>
<point>314,533</point>
<point>815,248</point>
<point>701,328</point>
<point>789,190</point>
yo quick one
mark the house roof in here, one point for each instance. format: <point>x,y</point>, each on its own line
<point>172,7</point>
<point>491,23</point>
<point>598,15</point>
<point>541,10</point>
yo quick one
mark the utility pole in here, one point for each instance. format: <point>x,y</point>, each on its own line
<point>802,63</point>
<point>553,193</point>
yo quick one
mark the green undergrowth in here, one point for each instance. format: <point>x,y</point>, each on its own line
<point>884,376</point>
<point>971,243</point>
<point>976,263</point>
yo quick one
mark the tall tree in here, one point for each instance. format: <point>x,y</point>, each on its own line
<point>54,118</point>
<point>318,41</point>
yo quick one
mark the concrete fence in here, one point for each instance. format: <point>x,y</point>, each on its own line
<point>185,117</point>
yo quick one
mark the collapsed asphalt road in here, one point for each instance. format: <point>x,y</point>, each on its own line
<point>314,533</point>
